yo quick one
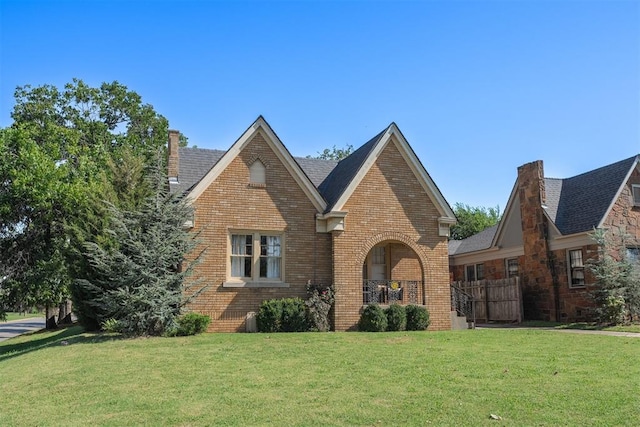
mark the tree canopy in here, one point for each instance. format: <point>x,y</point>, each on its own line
<point>334,153</point>
<point>55,158</point>
<point>472,220</point>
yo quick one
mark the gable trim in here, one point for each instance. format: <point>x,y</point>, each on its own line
<point>262,127</point>
<point>394,135</point>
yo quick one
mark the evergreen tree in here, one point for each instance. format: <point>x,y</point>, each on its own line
<point>140,277</point>
<point>617,280</point>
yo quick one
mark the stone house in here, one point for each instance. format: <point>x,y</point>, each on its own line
<point>374,225</point>
<point>544,237</point>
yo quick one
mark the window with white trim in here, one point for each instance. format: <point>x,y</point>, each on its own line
<point>474,272</point>
<point>512,267</point>
<point>635,192</point>
<point>256,257</point>
<point>576,269</point>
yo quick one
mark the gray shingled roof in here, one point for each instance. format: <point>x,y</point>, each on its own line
<point>477,242</point>
<point>196,162</point>
<point>194,165</point>
<point>338,180</point>
<point>585,198</point>
<point>575,205</point>
<point>316,169</point>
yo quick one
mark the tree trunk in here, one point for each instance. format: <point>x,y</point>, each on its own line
<point>50,319</point>
<point>64,313</point>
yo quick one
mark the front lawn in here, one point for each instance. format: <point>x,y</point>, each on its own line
<point>457,378</point>
<point>21,316</point>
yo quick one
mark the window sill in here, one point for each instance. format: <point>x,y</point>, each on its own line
<point>577,286</point>
<point>240,284</point>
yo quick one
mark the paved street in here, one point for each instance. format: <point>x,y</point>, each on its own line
<point>17,327</point>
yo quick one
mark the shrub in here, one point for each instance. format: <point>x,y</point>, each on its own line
<point>612,310</point>
<point>396,318</point>
<point>319,302</point>
<point>373,319</point>
<point>111,325</point>
<point>294,315</point>
<point>192,324</point>
<point>417,318</point>
<point>269,315</point>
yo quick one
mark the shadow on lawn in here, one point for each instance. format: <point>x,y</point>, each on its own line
<point>66,336</point>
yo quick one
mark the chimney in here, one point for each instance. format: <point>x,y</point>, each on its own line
<point>174,159</point>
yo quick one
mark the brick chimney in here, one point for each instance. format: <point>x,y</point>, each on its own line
<point>539,279</point>
<point>174,159</point>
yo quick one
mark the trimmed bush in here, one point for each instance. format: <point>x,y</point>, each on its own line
<point>319,301</point>
<point>192,324</point>
<point>396,318</point>
<point>373,319</point>
<point>417,318</point>
<point>269,315</point>
<point>294,315</point>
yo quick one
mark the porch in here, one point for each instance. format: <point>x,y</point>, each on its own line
<point>386,292</point>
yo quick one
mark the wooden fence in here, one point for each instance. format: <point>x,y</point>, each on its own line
<point>495,300</point>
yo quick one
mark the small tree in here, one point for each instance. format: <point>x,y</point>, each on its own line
<point>141,279</point>
<point>472,220</point>
<point>617,291</point>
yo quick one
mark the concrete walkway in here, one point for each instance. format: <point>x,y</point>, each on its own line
<point>21,326</point>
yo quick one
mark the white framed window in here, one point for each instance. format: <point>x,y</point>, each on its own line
<point>474,272</point>
<point>512,267</point>
<point>255,258</point>
<point>635,193</point>
<point>576,268</point>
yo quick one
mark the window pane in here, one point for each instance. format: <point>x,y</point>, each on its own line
<point>241,249</point>
<point>576,258</point>
<point>471,274</point>
<point>480,271</point>
<point>270,257</point>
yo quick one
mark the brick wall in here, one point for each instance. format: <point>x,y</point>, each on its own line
<point>389,205</point>
<point>231,203</point>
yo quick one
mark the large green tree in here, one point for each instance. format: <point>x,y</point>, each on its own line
<point>472,220</point>
<point>333,153</point>
<point>55,159</point>
<point>140,280</point>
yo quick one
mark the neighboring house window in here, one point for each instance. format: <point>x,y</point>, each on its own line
<point>635,191</point>
<point>257,173</point>
<point>475,272</point>
<point>256,257</point>
<point>512,267</point>
<point>576,269</point>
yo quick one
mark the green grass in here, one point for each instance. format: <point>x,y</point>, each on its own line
<point>20,316</point>
<point>456,378</point>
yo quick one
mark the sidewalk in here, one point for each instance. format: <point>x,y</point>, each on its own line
<point>20,326</point>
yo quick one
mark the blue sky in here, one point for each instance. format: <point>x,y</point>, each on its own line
<point>477,87</point>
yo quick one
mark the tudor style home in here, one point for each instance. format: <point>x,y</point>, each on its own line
<point>374,225</point>
<point>544,236</point>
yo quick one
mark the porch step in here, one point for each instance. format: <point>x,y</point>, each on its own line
<point>460,322</point>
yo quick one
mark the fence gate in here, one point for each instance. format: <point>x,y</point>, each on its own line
<point>495,300</point>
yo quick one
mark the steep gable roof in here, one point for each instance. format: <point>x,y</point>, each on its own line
<point>343,173</point>
<point>347,175</point>
<point>585,199</point>
<point>260,125</point>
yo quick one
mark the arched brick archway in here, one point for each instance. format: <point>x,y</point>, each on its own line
<point>391,236</point>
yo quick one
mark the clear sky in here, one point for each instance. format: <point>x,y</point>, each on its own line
<point>477,87</point>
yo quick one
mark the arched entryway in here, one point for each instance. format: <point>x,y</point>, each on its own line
<point>392,272</point>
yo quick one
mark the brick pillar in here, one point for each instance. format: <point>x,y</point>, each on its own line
<point>173,161</point>
<point>539,284</point>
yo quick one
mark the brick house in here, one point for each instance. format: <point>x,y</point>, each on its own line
<point>374,225</point>
<point>544,236</point>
